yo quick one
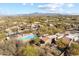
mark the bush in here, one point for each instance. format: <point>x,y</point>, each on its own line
<point>8,48</point>
<point>74,50</point>
<point>29,51</point>
<point>37,40</point>
<point>62,43</point>
<point>2,35</point>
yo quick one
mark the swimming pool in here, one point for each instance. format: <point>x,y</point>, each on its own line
<point>28,37</point>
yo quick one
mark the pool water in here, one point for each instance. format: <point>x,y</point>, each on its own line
<point>28,37</point>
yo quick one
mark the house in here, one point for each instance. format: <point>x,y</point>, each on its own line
<point>51,25</point>
<point>59,35</point>
<point>52,37</point>
<point>48,38</point>
<point>35,26</point>
<point>73,36</point>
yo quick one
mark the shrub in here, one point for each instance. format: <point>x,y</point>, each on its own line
<point>29,51</point>
<point>2,35</point>
<point>8,47</point>
<point>74,50</point>
<point>37,40</point>
<point>62,43</point>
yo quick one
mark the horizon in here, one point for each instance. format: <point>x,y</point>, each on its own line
<point>29,8</point>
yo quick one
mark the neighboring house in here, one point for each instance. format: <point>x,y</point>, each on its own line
<point>48,38</point>
<point>51,25</point>
<point>45,39</point>
<point>52,37</point>
<point>59,35</point>
<point>74,36</point>
<point>35,26</point>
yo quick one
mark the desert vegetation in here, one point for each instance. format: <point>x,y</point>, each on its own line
<point>38,25</point>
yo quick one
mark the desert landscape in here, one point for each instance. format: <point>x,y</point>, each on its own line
<point>37,35</point>
<point>40,29</point>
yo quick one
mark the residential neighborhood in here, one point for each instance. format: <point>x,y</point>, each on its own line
<point>41,29</point>
<point>39,32</point>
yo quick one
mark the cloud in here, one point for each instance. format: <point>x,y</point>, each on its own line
<point>57,7</point>
<point>31,4</point>
<point>24,4</point>
<point>70,5</point>
<point>6,12</point>
<point>52,7</point>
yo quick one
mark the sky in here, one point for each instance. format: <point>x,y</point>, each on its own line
<point>26,8</point>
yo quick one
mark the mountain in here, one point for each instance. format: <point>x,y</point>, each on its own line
<point>40,14</point>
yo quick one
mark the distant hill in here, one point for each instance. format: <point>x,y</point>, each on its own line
<point>46,14</point>
<point>41,14</point>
